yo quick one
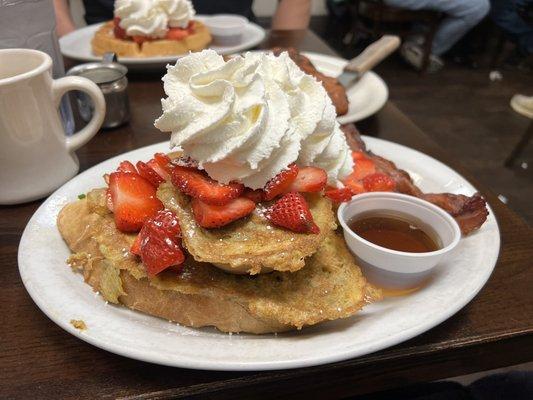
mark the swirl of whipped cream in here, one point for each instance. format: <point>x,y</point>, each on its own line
<point>180,12</point>
<point>248,118</point>
<point>152,18</point>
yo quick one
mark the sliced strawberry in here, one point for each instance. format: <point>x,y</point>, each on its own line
<point>355,185</point>
<point>281,182</point>
<point>166,223</point>
<point>358,155</point>
<point>177,33</point>
<point>134,200</point>
<point>119,32</point>
<point>379,182</point>
<point>363,167</point>
<point>158,169</point>
<point>159,243</point>
<point>197,184</point>
<point>291,211</point>
<point>149,174</point>
<point>126,166</point>
<point>256,196</point>
<point>340,195</point>
<point>309,179</point>
<point>213,216</point>
<point>164,163</point>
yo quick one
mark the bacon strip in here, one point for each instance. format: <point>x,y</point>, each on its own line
<point>469,212</point>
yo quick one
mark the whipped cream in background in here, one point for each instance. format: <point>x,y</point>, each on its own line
<point>248,118</point>
<point>153,17</point>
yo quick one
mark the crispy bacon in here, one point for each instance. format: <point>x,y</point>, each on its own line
<point>469,212</point>
<point>335,90</point>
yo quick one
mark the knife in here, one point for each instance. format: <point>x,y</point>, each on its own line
<point>368,59</point>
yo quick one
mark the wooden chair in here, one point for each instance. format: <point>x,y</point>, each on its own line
<point>375,18</point>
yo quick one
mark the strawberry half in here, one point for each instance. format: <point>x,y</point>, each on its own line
<point>281,182</point>
<point>309,179</point>
<point>197,184</point>
<point>134,200</point>
<point>213,216</point>
<point>158,243</point>
<point>339,195</point>
<point>379,182</point>
<point>291,211</point>
<point>149,174</point>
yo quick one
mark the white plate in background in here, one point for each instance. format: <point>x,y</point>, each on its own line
<point>77,45</point>
<point>365,98</point>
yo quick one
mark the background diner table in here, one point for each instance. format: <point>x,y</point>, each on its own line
<point>40,360</point>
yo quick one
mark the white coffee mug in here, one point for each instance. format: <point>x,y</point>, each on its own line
<point>36,156</point>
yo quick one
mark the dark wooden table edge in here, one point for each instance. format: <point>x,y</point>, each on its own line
<point>428,368</point>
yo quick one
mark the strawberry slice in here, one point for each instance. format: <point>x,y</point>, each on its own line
<point>291,211</point>
<point>158,243</point>
<point>177,34</point>
<point>158,169</point>
<point>149,174</point>
<point>256,196</point>
<point>134,200</point>
<point>213,216</point>
<point>281,182</point>
<point>119,32</point>
<point>358,155</point>
<point>164,163</point>
<point>340,195</point>
<point>355,185</point>
<point>126,166</point>
<point>197,184</point>
<point>379,182</point>
<point>309,179</point>
<point>363,167</point>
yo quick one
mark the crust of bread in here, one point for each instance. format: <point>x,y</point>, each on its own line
<point>105,41</point>
<point>330,286</point>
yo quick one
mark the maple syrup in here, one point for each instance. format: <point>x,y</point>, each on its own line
<point>394,231</point>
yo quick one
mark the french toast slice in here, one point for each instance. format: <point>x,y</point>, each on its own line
<point>330,286</point>
<point>252,244</point>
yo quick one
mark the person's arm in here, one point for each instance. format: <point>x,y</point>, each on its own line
<point>292,14</point>
<point>64,23</point>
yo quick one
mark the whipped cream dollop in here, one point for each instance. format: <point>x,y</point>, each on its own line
<point>152,18</point>
<point>248,118</point>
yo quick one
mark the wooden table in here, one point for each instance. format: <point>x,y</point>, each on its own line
<point>39,360</point>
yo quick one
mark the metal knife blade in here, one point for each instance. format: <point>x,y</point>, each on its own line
<point>368,59</point>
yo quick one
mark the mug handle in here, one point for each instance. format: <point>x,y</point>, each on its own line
<point>63,85</point>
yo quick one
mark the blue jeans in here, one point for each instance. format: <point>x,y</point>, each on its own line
<point>505,15</point>
<point>461,16</point>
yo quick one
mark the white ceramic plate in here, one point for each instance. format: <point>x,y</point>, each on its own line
<point>365,98</point>
<point>62,295</point>
<point>77,45</point>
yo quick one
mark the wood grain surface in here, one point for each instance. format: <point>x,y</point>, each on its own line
<point>39,360</point>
